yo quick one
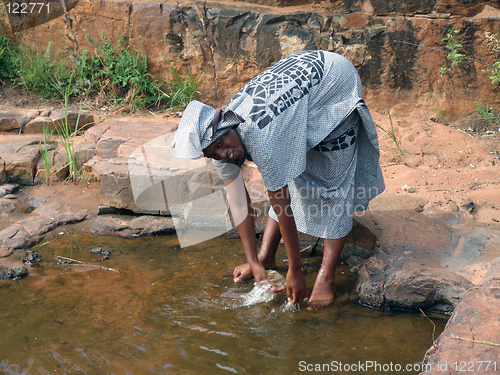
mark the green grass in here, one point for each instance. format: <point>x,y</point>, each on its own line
<point>486,112</point>
<point>116,75</point>
<point>182,91</point>
<point>44,73</point>
<point>45,152</point>
<point>390,132</point>
<point>67,136</point>
<point>120,75</point>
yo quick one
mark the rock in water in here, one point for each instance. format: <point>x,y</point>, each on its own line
<point>261,293</point>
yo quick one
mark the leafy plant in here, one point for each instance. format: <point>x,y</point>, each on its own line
<point>457,58</point>
<point>494,43</point>
<point>485,111</point>
<point>454,55</point>
<point>8,59</point>
<point>111,74</point>
<point>392,134</point>
<point>121,75</point>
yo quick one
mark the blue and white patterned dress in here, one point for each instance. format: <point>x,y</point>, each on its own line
<point>307,126</point>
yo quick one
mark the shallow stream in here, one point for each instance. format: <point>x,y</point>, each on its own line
<point>163,313</point>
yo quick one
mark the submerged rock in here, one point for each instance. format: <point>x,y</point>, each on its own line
<point>16,273</point>
<point>31,258</point>
<point>99,250</point>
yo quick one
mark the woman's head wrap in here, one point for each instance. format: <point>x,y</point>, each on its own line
<point>199,127</point>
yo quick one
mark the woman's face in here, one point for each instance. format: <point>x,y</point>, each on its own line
<point>227,146</point>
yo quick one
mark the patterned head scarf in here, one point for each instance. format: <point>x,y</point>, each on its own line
<point>199,127</point>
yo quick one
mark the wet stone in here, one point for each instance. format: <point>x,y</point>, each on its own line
<point>31,258</point>
<point>467,205</point>
<point>6,207</point>
<point>16,273</point>
<point>7,189</point>
<point>99,250</point>
<point>5,273</point>
<point>20,272</point>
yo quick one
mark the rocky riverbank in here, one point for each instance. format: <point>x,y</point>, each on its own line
<point>430,242</point>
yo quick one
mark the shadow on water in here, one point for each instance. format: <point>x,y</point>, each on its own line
<point>163,313</point>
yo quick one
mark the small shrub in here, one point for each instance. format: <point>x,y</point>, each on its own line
<point>43,74</point>
<point>494,43</point>
<point>487,112</point>
<point>120,75</point>
<point>8,59</point>
<point>454,56</point>
<point>457,58</point>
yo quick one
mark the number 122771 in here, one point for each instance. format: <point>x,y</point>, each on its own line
<point>27,8</point>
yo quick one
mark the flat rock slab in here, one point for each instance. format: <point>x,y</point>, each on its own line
<point>120,137</point>
<point>422,260</point>
<point>15,118</point>
<point>133,227</point>
<point>59,119</point>
<point>115,140</point>
<point>135,165</point>
<point>27,232</point>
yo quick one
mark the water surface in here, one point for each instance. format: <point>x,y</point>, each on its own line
<point>163,313</point>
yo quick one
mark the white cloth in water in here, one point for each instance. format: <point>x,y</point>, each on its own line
<point>260,292</point>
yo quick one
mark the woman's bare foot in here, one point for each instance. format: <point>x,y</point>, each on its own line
<point>244,271</point>
<point>323,292</point>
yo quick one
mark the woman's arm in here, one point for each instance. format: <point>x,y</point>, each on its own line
<point>296,288</point>
<point>242,211</point>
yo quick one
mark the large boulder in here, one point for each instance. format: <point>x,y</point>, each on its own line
<point>423,260</point>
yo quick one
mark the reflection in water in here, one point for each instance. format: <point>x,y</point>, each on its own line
<point>164,313</point>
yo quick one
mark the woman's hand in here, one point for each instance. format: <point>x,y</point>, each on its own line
<point>295,281</point>
<point>259,272</point>
<point>296,289</point>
